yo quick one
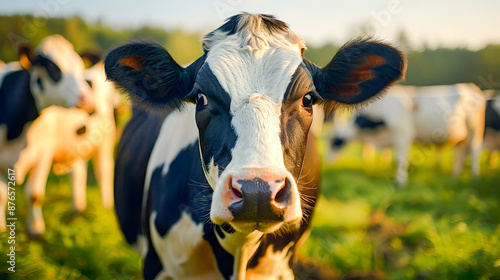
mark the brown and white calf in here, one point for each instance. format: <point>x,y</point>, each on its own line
<point>223,186</point>
<point>66,139</point>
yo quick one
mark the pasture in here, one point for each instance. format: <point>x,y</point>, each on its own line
<point>438,227</point>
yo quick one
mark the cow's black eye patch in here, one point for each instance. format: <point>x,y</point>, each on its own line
<point>52,69</point>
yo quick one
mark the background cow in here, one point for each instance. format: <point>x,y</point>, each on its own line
<point>492,129</point>
<point>443,115</point>
<point>67,138</point>
<point>50,75</point>
<point>231,181</point>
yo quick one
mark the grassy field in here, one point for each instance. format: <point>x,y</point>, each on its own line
<point>438,227</point>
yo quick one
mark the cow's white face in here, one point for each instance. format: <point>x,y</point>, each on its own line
<point>56,75</point>
<point>254,93</point>
<point>251,89</point>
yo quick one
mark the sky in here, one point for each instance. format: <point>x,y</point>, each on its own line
<point>432,23</point>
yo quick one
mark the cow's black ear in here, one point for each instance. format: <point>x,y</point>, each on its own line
<point>150,75</point>
<point>26,56</point>
<point>359,71</point>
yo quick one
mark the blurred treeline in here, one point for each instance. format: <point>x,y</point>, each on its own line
<point>91,37</point>
<point>426,66</point>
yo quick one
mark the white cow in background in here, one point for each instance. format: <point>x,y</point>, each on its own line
<point>443,115</point>
<point>66,139</point>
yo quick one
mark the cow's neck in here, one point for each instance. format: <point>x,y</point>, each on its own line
<point>242,247</point>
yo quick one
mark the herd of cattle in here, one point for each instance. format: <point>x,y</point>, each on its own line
<point>217,172</point>
<point>55,114</point>
<point>456,115</point>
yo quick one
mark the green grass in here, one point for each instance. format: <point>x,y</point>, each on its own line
<point>89,245</point>
<point>438,227</point>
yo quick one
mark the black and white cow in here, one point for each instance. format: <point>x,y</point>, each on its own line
<point>50,75</point>
<point>223,187</point>
<point>450,115</point>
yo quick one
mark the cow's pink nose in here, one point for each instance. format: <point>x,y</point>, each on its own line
<point>259,199</point>
<point>85,101</point>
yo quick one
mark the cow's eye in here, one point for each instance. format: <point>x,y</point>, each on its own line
<point>201,99</point>
<point>307,100</point>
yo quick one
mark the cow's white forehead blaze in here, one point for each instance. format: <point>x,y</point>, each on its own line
<point>257,125</point>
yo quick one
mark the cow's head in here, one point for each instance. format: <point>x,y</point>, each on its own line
<point>56,74</point>
<point>254,94</point>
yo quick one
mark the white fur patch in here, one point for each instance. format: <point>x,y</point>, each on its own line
<point>183,252</point>
<point>177,132</point>
<point>273,265</point>
<point>212,174</point>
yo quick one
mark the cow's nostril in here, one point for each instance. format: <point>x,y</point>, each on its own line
<point>284,194</point>
<point>236,192</point>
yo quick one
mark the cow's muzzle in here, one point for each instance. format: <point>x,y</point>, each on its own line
<point>259,200</point>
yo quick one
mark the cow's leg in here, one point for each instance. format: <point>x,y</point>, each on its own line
<point>402,166</point>
<point>476,147</point>
<point>475,159</point>
<point>386,158</point>
<point>459,158</point>
<point>35,193</point>
<point>103,168</point>
<point>3,203</point>
<point>475,136</point>
<point>403,142</point>
<point>79,178</point>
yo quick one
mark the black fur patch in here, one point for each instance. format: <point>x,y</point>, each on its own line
<point>492,118</point>
<point>17,105</point>
<point>365,122</point>
<point>158,83</point>
<point>132,156</point>
<point>217,136</point>
<point>52,69</point>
